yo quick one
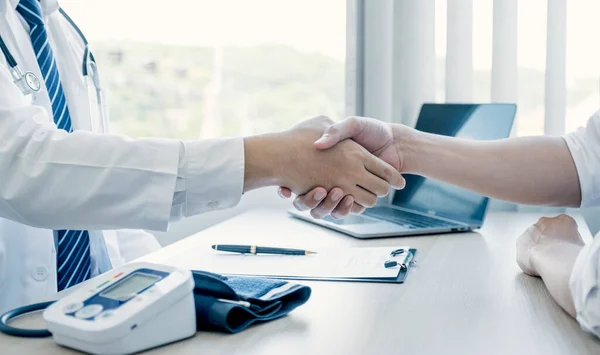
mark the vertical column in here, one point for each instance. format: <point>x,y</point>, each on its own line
<point>504,51</point>
<point>355,50</point>
<point>413,57</point>
<point>556,53</point>
<point>459,51</point>
<point>378,67</point>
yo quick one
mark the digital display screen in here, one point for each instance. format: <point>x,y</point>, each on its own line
<point>130,287</point>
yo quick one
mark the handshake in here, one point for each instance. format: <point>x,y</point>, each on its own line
<point>335,169</point>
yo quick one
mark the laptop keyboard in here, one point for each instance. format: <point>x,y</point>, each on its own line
<point>407,219</point>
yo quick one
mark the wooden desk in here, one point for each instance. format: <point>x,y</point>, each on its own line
<point>466,296</point>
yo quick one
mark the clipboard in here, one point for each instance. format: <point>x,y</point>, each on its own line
<point>358,264</point>
<point>403,271</point>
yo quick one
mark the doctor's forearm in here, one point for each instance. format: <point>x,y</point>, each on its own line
<point>528,170</point>
<point>261,161</point>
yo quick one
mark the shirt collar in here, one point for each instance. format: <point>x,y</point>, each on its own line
<point>48,6</point>
<point>13,3</point>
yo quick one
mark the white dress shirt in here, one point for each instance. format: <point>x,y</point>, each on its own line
<point>584,283</point>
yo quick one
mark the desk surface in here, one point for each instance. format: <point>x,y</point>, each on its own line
<point>466,296</point>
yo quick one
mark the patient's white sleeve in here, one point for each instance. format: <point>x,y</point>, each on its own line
<point>585,287</point>
<point>584,145</point>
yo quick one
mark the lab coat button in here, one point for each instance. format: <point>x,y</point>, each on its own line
<point>40,273</point>
<point>213,204</point>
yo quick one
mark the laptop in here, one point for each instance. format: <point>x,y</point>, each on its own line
<point>426,206</point>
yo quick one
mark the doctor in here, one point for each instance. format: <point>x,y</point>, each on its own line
<point>68,193</point>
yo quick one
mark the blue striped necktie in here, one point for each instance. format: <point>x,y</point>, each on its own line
<point>73,253</point>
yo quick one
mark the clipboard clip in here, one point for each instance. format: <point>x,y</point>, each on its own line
<point>397,252</point>
<point>388,264</point>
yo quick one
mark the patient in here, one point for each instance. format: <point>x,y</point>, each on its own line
<point>554,171</point>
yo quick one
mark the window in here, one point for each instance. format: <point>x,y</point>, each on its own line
<point>582,60</point>
<point>193,69</point>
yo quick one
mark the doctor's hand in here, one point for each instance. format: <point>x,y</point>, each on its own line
<point>549,236</point>
<point>290,159</point>
<point>378,137</point>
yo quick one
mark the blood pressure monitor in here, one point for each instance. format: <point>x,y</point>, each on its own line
<point>133,308</point>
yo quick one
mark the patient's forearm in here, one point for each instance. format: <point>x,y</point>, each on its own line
<point>554,263</point>
<point>529,170</point>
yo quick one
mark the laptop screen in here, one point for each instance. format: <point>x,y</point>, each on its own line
<point>481,122</point>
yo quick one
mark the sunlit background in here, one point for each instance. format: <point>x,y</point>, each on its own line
<point>197,68</point>
<point>582,67</point>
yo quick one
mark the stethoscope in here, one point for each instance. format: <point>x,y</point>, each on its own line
<point>30,84</point>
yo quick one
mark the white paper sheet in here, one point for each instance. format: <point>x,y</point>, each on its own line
<point>346,263</point>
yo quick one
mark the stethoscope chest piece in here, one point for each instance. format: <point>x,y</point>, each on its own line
<point>27,82</point>
<point>32,81</point>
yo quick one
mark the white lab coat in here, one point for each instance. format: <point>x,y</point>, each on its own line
<point>584,283</point>
<point>111,183</point>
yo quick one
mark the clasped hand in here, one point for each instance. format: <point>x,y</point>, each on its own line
<point>348,167</point>
<point>377,139</point>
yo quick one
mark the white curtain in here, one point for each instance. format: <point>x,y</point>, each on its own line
<point>414,40</point>
<point>399,80</point>
<point>504,52</point>
<point>459,56</point>
<point>556,55</point>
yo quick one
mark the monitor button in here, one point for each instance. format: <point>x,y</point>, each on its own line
<point>105,315</point>
<point>89,311</point>
<point>72,307</point>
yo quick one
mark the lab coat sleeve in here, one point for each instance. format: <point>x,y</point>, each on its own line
<point>134,244</point>
<point>208,182</point>
<point>584,145</point>
<point>83,180</point>
<point>585,287</point>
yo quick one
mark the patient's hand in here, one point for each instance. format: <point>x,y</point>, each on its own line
<point>546,234</point>
<point>377,137</point>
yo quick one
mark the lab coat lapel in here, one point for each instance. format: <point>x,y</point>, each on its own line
<point>69,50</point>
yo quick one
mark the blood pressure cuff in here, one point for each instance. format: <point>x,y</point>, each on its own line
<point>231,303</point>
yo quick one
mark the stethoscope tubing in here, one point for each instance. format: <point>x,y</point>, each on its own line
<point>7,54</point>
<point>20,332</point>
